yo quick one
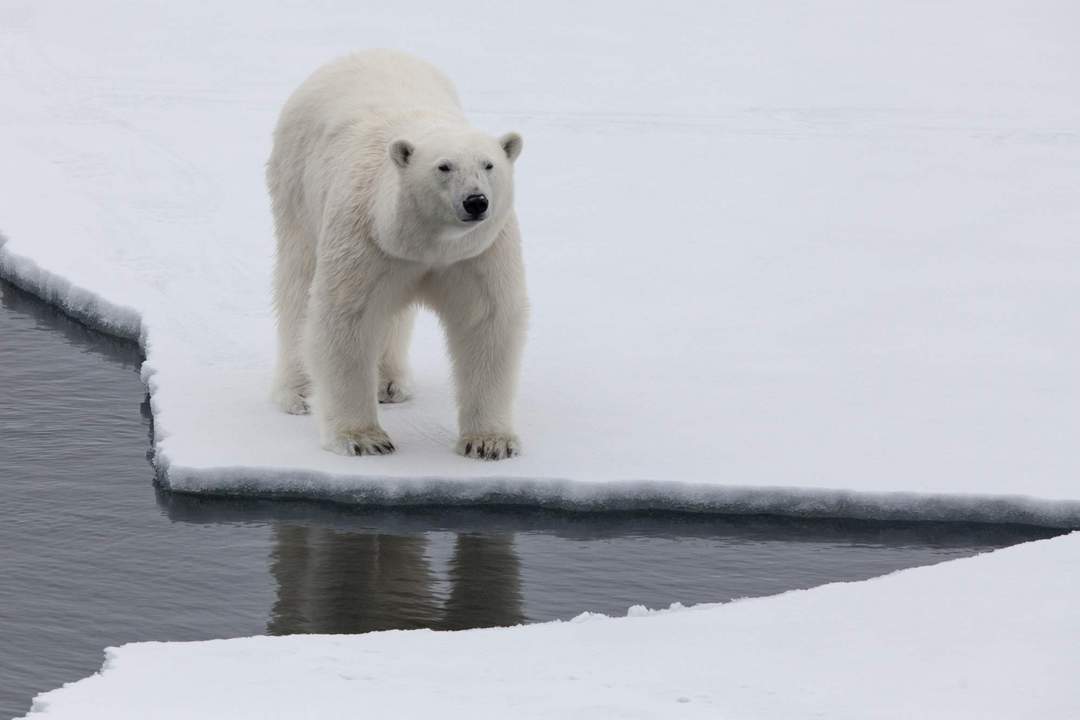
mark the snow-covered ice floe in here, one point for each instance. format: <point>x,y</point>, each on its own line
<point>994,636</point>
<point>816,259</point>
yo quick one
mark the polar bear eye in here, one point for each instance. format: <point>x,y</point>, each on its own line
<point>445,167</point>
<point>488,166</point>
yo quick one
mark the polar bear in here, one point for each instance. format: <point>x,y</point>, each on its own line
<point>385,198</point>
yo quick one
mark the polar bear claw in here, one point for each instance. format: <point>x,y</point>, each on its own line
<point>490,446</point>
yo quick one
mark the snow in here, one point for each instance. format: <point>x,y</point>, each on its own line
<point>814,259</point>
<point>992,636</point>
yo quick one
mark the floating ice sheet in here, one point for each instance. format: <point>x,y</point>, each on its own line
<point>816,260</point>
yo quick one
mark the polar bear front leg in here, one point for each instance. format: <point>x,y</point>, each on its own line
<point>483,307</point>
<point>486,356</point>
<point>343,344</point>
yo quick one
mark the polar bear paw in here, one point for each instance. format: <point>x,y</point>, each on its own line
<point>489,446</point>
<point>372,441</point>
<point>394,391</point>
<point>291,401</point>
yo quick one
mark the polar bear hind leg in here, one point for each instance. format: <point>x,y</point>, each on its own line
<point>292,278</point>
<point>395,383</point>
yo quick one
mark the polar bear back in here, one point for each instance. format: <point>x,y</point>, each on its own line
<point>383,83</point>
<point>335,129</point>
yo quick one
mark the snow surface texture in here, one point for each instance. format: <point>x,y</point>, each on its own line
<point>992,636</point>
<point>817,259</point>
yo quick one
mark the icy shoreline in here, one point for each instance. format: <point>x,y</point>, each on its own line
<point>80,305</point>
<point>961,639</point>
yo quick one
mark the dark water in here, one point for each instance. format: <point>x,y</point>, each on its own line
<point>92,554</point>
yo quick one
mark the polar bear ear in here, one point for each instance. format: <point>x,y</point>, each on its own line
<point>511,144</point>
<point>401,151</point>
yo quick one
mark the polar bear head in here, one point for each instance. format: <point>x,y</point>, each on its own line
<point>456,190</point>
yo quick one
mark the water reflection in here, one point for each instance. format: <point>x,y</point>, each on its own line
<point>330,581</point>
<point>334,581</point>
<point>485,580</point>
<point>348,569</point>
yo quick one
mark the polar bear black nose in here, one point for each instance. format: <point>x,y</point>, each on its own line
<point>475,205</point>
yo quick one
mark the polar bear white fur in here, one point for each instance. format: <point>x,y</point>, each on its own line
<point>384,198</point>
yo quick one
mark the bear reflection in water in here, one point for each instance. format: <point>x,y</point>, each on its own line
<point>337,581</point>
